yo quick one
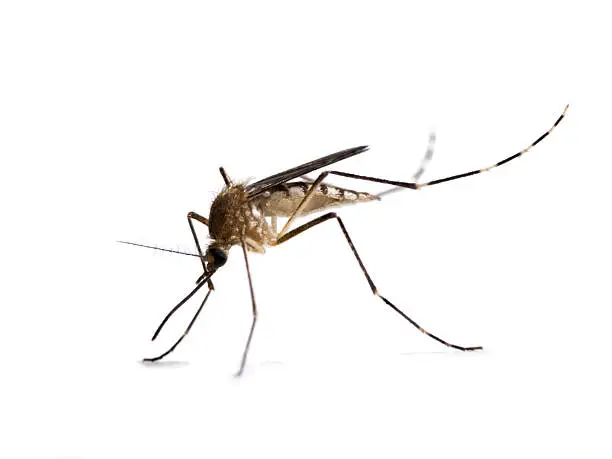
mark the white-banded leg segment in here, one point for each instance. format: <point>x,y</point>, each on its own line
<point>499,163</point>
<point>410,185</point>
<point>332,215</point>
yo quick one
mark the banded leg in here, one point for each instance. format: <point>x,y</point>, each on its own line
<point>161,356</point>
<point>332,215</point>
<point>415,177</point>
<point>410,185</point>
<point>500,163</point>
<point>248,343</point>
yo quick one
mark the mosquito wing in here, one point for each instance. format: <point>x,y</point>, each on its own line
<point>257,188</point>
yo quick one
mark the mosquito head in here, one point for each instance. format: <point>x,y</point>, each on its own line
<point>215,258</point>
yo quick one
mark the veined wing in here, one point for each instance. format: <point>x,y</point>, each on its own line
<point>255,189</point>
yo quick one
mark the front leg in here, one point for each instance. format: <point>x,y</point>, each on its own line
<point>194,216</point>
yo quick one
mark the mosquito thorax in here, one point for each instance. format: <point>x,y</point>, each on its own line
<point>227,215</point>
<point>233,219</point>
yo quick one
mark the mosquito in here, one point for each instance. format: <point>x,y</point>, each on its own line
<point>240,212</point>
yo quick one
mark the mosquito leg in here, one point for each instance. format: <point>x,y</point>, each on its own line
<point>194,216</point>
<point>500,163</point>
<point>248,343</point>
<point>332,215</point>
<point>411,185</point>
<point>308,179</point>
<point>420,171</point>
<point>426,158</point>
<point>176,308</point>
<point>226,178</point>
<point>161,356</point>
<point>319,180</point>
<point>415,177</point>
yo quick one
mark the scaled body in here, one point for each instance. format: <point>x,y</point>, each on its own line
<point>233,217</point>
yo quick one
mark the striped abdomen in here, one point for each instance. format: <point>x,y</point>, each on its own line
<point>282,200</point>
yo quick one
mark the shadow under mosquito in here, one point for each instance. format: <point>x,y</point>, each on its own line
<point>164,364</point>
<point>270,363</point>
<point>449,352</point>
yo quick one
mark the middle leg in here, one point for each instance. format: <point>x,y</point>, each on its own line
<point>248,343</point>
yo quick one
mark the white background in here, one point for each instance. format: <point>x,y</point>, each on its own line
<point>114,119</point>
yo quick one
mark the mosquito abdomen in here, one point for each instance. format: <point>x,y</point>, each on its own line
<point>283,200</point>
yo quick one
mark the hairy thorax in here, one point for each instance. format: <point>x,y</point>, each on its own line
<point>234,218</point>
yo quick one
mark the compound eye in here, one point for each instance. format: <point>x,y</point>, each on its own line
<point>219,257</point>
